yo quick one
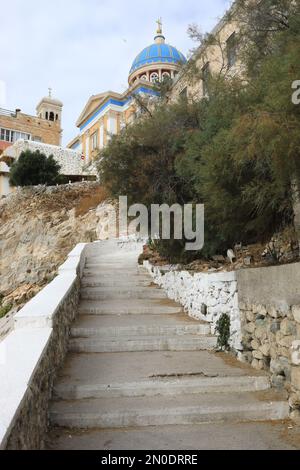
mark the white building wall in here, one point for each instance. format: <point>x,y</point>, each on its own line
<point>5,188</point>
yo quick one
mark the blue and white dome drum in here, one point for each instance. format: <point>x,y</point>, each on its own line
<point>158,53</point>
<point>156,61</point>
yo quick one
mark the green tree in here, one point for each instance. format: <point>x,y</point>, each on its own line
<point>33,168</point>
<point>140,161</point>
<point>244,159</point>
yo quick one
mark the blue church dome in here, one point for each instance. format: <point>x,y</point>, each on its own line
<point>157,53</point>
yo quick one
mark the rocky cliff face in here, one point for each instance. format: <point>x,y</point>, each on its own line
<point>39,227</point>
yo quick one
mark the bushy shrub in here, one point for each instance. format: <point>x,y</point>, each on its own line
<point>34,168</point>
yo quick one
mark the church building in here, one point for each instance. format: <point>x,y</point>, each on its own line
<point>105,114</point>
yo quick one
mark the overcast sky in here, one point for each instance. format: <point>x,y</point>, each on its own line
<point>84,47</point>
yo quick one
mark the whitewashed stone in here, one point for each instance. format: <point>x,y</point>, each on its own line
<point>295,358</point>
<point>250,327</point>
<point>69,160</point>
<point>262,310</point>
<point>257,354</point>
<point>255,344</point>
<point>286,341</point>
<point>296,313</point>
<point>250,316</point>
<point>295,416</point>
<point>295,377</point>
<point>265,349</point>
<point>295,353</point>
<point>273,312</point>
<point>287,327</point>
<point>215,290</point>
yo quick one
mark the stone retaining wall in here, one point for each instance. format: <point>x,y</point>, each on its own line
<point>32,422</point>
<point>269,301</point>
<point>271,341</point>
<point>31,355</point>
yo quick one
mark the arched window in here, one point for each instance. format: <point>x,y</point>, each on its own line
<point>51,116</point>
<point>47,116</point>
<point>56,117</point>
<point>144,77</point>
<point>166,75</point>
<point>154,77</point>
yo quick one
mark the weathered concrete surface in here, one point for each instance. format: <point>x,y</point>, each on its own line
<point>143,343</point>
<point>208,436</point>
<point>136,307</point>
<point>274,285</point>
<point>159,373</point>
<point>88,326</point>
<point>157,411</point>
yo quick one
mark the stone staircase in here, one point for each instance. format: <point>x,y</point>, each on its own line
<point>137,361</point>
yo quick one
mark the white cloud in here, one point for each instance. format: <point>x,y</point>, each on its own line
<point>83,47</point>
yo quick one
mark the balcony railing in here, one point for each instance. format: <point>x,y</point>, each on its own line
<point>7,112</point>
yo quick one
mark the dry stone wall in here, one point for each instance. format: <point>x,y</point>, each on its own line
<point>271,341</point>
<point>269,301</point>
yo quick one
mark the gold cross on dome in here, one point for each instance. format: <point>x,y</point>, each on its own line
<point>159,28</point>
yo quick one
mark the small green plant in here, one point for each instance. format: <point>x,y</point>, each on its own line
<point>4,310</point>
<point>223,330</point>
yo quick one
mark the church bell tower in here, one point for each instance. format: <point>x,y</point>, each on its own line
<point>50,108</point>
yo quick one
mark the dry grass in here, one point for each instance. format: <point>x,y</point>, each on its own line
<point>90,201</point>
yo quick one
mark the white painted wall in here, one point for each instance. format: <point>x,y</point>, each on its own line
<point>101,140</point>
<point>112,125</point>
<point>5,188</point>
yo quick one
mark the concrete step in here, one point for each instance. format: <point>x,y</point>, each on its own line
<point>135,292</point>
<point>173,410</point>
<point>134,367</point>
<point>111,259</point>
<point>105,272</point>
<point>128,307</point>
<point>161,386</point>
<point>125,277</point>
<point>143,343</point>
<point>88,326</point>
<point>122,282</point>
<point>111,265</point>
<point>206,436</point>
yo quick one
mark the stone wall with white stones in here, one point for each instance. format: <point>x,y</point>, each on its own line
<point>70,161</point>
<point>204,296</point>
